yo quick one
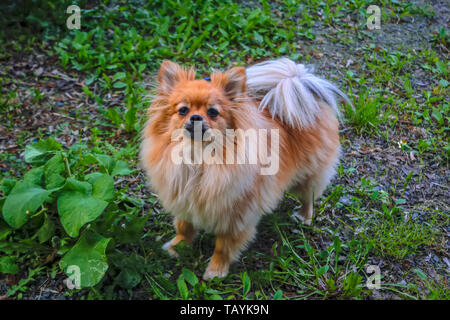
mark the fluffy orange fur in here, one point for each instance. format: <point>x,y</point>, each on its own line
<point>229,199</point>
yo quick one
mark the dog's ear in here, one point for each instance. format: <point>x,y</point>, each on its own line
<point>170,73</point>
<point>232,82</point>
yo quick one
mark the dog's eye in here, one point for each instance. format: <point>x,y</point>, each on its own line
<point>212,112</point>
<point>183,111</point>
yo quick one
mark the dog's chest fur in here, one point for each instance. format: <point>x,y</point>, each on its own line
<point>217,198</point>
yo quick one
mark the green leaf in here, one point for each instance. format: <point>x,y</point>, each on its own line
<point>76,185</point>
<point>132,268</point>
<point>114,115</point>
<point>109,165</point>
<point>130,118</point>
<point>141,67</point>
<point>322,270</point>
<point>182,288</point>
<point>41,151</point>
<point>337,245</point>
<point>246,284</point>
<point>102,185</point>
<point>420,273</point>
<point>52,171</point>
<point>7,265</point>
<point>25,198</point>
<point>190,277</point>
<point>88,256</point>
<point>408,178</point>
<point>121,168</point>
<point>54,165</point>
<point>308,248</point>
<point>119,76</point>
<point>5,230</point>
<point>54,181</point>
<point>119,85</point>
<point>76,206</point>
<point>258,38</point>
<point>128,278</point>
<point>88,159</point>
<point>444,83</point>
<point>131,232</point>
<point>278,295</point>
<point>437,115</point>
<point>35,176</point>
<point>7,185</point>
<point>106,162</point>
<point>46,231</point>
<point>88,81</point>
<point>442,67</point>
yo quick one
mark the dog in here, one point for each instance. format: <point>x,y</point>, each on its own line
<point>299,114</point>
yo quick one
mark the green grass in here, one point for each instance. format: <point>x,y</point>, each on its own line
<point>396,237</point>
<point>365,114</point>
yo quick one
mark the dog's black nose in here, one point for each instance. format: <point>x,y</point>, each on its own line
<point>196,117</point>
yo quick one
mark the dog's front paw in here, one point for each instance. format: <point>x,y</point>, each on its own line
<point>169,248</point>
<point>299,218</point>
<point>214,271</point>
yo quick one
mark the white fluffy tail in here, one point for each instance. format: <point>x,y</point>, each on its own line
<point>291,91</point>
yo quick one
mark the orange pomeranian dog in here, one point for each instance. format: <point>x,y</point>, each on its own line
<point>221,153</point>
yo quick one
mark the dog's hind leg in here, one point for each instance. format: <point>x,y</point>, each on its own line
<point>307,196</point>
<point>310,190</point>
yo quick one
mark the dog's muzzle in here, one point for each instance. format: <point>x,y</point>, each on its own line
<point>196,129</point>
